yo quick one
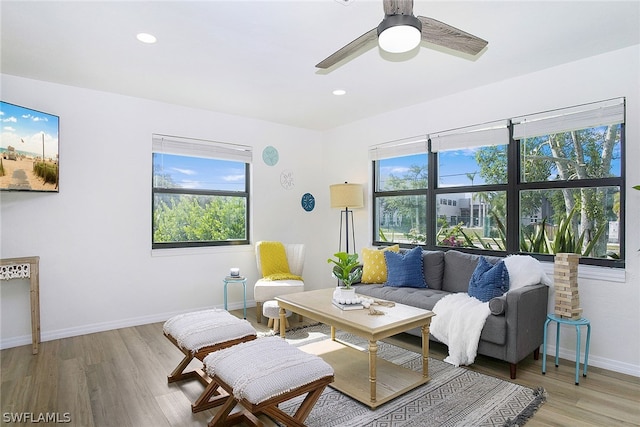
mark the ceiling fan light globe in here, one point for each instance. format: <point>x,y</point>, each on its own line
<point>399,33</point>
<point>399,39</point>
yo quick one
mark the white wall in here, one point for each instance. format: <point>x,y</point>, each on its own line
<point>612,306</point>
<point>97,270</point>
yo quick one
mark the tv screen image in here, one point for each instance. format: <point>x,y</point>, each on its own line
<point>28,149</point>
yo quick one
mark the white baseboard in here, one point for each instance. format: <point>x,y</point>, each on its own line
<point>566,354</point>
<point>105,326</point>
<point>569,356</point>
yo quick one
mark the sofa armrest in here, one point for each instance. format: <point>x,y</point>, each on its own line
<point>498,305</point>
<point>526,312</point>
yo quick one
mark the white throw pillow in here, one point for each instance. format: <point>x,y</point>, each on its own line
<point>525,270</point>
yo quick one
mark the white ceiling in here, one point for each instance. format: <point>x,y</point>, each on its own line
<point>257,58</point>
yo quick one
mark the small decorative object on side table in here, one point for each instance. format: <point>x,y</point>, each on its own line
<point>236,279</point>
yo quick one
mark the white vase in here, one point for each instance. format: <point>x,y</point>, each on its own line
<point>343,294</point>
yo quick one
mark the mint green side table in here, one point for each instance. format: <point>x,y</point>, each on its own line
<point>239,279</point>
<point>571,322</point>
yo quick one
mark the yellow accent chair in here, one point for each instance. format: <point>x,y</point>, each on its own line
<point>281,271</point>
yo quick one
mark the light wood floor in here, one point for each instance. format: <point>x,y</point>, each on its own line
<point>118,378</point>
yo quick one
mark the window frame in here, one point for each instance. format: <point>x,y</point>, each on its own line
<point>513,188</point>
<point>193,148</point>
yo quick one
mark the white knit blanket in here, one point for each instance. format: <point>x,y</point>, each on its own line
<point>199,329</point>
<point>264,368</point>
<point>458,323</point>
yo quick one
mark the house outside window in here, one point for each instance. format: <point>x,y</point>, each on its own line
<point>200,193</point>
<point>540,184</point>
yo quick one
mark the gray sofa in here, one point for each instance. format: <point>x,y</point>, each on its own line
<point>513,331</point>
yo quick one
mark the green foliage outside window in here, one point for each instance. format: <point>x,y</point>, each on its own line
<point>188,218</point>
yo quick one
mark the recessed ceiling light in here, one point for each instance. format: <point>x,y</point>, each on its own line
<point>146,38</point>
<point>339,92</point>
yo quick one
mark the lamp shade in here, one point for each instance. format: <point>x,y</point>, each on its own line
<point>346,196</point>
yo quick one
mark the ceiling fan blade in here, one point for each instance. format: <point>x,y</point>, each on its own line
<point>350,49</point>
<point>441,34</point>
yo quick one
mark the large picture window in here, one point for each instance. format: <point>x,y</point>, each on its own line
<point>471,168</point>
<point>200,193</point>
<point>540,184</point>
<point>400,199</point>
<point>570,169</point>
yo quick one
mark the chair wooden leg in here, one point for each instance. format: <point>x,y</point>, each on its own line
<point>270,323</point>
<point>259,311</point>
<point>276,324</point>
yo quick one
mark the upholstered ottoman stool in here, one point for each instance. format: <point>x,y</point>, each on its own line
<point>271,310</point>
<point>199,333</point>
<point>261,374</point>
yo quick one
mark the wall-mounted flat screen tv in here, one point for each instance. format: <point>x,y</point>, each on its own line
<point>28,149</point>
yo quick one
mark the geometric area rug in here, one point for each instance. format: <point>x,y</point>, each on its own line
<point>454,396</point>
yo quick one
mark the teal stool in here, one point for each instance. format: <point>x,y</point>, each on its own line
<point>243,281</point>
<point>572,322</point>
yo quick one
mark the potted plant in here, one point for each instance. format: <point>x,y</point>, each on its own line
<point>347,270</point>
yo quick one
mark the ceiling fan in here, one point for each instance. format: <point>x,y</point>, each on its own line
<point>401,31</point>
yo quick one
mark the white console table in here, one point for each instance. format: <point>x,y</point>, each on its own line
<point>26,268</point>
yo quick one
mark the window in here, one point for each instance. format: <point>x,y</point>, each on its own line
<point>200,193</point>
<point>471,176</point>
<point>400,197</point>
<point>570,169</point>
<point>541,184</point>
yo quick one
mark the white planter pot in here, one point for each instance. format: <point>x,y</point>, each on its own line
<point>343,294</point>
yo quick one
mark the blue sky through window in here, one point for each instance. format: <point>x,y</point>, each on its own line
<point>200,173</point>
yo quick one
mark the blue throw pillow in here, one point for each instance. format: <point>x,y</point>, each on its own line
<point>488,281</point>
<point>405,269</point>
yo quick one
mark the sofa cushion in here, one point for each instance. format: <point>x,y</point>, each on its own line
<point>374,267</point>
<point>405,269</point>
<point>488,280</point>
<point>424,298</point>
<point>458,268</point>
<point>433,266</point>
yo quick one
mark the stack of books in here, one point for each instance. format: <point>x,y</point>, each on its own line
<point>354,306</point>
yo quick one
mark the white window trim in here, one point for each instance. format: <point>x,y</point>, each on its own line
<point>567,119</point>
<point>399,148</point>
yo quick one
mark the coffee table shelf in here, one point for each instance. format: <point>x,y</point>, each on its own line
<point>361,374</point>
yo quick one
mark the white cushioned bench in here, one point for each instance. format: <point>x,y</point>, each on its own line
<point>259,375</point>
<point>199,333</point>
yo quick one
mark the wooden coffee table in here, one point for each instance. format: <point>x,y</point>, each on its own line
<point>359,374</point>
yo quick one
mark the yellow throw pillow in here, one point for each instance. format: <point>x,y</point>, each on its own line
<point>374,268</point>
<point>273,260</point>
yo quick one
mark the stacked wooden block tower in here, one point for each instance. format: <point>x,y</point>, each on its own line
<point>565,279</point>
